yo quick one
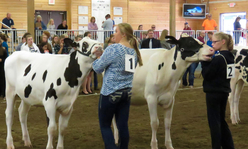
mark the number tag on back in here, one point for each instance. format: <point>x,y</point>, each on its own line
<point>230,71</point>
<point>129,63</point>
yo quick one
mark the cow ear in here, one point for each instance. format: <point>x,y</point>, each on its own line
<point>172,40</point>
<point>68,42</point>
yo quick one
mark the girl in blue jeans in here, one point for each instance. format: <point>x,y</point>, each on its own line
<point>117,84</point>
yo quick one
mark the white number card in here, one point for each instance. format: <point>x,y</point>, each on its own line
<point>129,63</point>
<point>230,71</point>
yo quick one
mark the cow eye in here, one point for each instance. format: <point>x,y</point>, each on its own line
<point>85,46</point>
<point>182,49</point>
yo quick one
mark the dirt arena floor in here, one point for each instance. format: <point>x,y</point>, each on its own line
<point>189,128</point>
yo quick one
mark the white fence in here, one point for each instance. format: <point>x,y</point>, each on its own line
<point>15,35</point>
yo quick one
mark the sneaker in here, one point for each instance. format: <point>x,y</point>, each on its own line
<point>191,86</point>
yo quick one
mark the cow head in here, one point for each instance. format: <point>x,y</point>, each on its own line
<point>191,49</point>
<point>86,46</point>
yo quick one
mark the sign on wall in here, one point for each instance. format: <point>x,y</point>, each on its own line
<point>51,2</point>
<point>100,8</point>
<point>117,10</point>
<point>82,9</point>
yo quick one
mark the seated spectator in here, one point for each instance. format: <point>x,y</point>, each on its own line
<point>187,29</point>
<point>3,56</point>
<point>48,36</point>
<point>87,34</point>
<point>45,48</point>
<point>55,40</point>
<point>18,48</point>
<point>150,42</point>
<point>61,48</point>
<point>51,27</point>
<point>201,37</point>
<point>139,33</point>
<point>78,38</point>
<point>164,43</point>
<point>209,42</point>
<point>5,37</point>
<point>44,38</point>
<point>156,33</point>
<point>109,41</point>
<point>30,46</point>
<point>25,36</point>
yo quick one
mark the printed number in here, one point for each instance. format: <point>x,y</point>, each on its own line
<point>131,63</point>
<point>230,72</point>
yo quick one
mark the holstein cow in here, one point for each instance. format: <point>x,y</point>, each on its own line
<point>52,81</point>
<point>238,82</point>
<point>158,79</point>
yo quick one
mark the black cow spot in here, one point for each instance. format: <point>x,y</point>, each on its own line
<point>33,76</point>
<point>72,72</point>
<point>159,66</point>
<point>51,92</point>
<point>27,91</point>
<point>238,59</point>
<point>240,71</point>
<point>174,66</point>
<point>237,67</point>
<point>44,76</point>
<point>48,120</point>
<point>243,52</point>
<point>27,70</point>
<point>245,61</point>
<point>58,81</point>
<point>163,64</point>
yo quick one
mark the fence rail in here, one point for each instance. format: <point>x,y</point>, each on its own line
<point>15,35</point>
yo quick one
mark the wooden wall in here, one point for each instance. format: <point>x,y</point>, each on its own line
<point>135,12</point>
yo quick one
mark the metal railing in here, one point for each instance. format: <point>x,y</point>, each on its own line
<point>189,32</point>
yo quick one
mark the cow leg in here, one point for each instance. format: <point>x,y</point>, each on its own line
<point>231,97</point>
<point>63,123</point>
<point>116,131</point>
<point>239,88</point>
<point>152,106</point>
<point>52,127</point>
<point>10,101</point>
<point>23,115</point>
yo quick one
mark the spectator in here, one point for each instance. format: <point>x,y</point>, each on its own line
<point>156,33</point>
<point>209,42</point>
<point>237,29</point>
<point>201,37</point>
<point>3,56</point>
<point>78,38</point>
<point>25,36</point>
<point>61,48</point>
<point>39,25</point>
<point>44,39</point>
<point>30,46</point>
<point>209,23</point>
<point>5,37</point>
<point>18,48</point>
<point>216,85</point>
<point>138,33</point>
<point>150,42</point>
<point>107,25</point>
<point>62,26</point>
<point>109,41</point>
<point>45,48</point>
<point>55,40</point>
<point>144,36</point>
<point>114,97</point>
<point>187,29</point>
<point>9,24</point>
<point>191,71</point>
<point>93,26</point>
<point>87,34</point>
<point>162,39</point>
<point>48,35</point>
<point>51,27</point>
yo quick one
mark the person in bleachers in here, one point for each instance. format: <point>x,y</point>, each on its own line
<point>156,33</point>
<point>201,37</point>
<point>162,39</point>
<point>61,48</point>
<point>18,48</point>
<point>187,29</point>
<point>150,42</point>
<point>45,48</point>
<point>62,26</point>
<point>39,24</point>
<point>9,23</point>
<point>55,40</point>
<point>110,40</point>
<point>209,23</point>
<point>51,27</point>
<point>30,46</point>
<point>209,42</point>
<point>44,39</point>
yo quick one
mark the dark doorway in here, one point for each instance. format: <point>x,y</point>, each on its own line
<point>57,16</point>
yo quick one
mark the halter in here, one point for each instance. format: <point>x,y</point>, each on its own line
<point>88,53</point>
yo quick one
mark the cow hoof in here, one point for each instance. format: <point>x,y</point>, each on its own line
<point>168,145</point>
<point>28,143</point>
<point>10,147</point>
<point>60,148</point>
<point>154,145</point>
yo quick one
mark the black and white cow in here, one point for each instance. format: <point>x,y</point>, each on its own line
<point>52,81</point>
<point>158,79</point>
<point>238,82</point>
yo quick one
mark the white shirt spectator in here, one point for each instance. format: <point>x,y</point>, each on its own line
<point>28,49</point>
<point>108,24</point>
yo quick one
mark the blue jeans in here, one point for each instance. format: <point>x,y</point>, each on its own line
<point>118,104</point>
<point>95,80</point>
<point>191,70</point>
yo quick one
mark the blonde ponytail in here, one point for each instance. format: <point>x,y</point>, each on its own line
<point>230,43</point>
<point>134,44</point>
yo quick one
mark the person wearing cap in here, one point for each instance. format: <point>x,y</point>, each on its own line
<point>209,23</point>
<point>187,29</point>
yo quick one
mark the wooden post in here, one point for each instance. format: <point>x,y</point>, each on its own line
<point>30,16</point>
<point>173,18</point>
